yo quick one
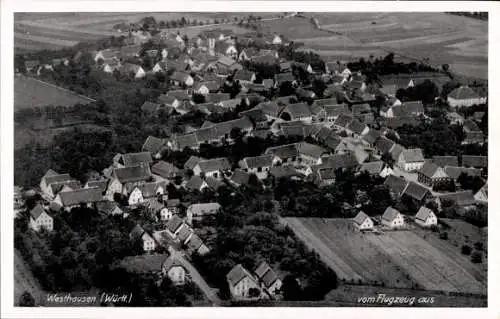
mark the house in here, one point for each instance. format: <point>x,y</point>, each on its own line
<point>180,142</point>
<point>171,208</point>
<point>174,270</point>
<point>225,65</point>
<point>174,226</point>
<point>241,283</point>
<point>416,192</point>
<point>396,185</point>
<point>258,117</point>
<point>324,176</point>
<point>268,278</point>
<point>169,100</point>
<point>195,183</point>
<point>306,67</point>
<point>482,195</point>
<point>227,49</point>
<point>109,208</point>
<point>392,218</point>
<point>75,198</point>
<point>196,245</point>
<point>443,161</point>
<point>39,219</point>
<point>282,78</point>
<point>286,67</point>
<point>258,165</point>
<point>284,154</point>
<point>139,234</point>
<point>406,109</point>
<point>431,174</point>
<point>239,178</point>
<point>244,76</point>
<point>107,54</point>
<point>111,66</point>
<point>204,88</point>
<point>133,70</point>
<point>130,51</point>
<point>131,159</point>
<point>270,109</point>
<point>287,171</point>
<point>125,175</point>
<point>473,133</point>
<point>362,221</point>
<point>464,96</point>
<point>248,53</point>
<point>383,145</point>
<point>310,154</point>
<point>454,172</point>
<point>198,211</point>
<point>425,217</point>
<point>165,170</point>
<point>154,146</point>
<point>217,97</point>
<point>52,182</point>
<point>475,161</point>
<point>297,112</point>
<point>180,78</point>
<point>265,59</point>
<point>463,199</point>
<point>138,193</point>
<point>32,65</point>
<point>410,159</point>
<point>229,105</point>
<point>212,167</point>
<point>376,168</point>
<point>455,118</point>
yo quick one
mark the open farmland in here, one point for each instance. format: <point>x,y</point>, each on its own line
<point>347,251</point>
<point>30,92</point>
<point>398,259</point>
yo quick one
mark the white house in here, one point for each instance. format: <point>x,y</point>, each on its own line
<point>410,159</point>
<point>212,167</point>
<point>362,221</point>
<point>198,211</point>
<point>171,208</point>
<point>40,219</point>
<point>241,282</point>
<point>174,270</point>
<point>482,194</point>
<point>268,278</point>
<point>425,217</point>
<point>139,234</point>
<point>258,165</point>
<point>392,218</point>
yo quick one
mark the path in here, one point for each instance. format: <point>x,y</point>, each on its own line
<point>197,278</point>
<point>25,281</point>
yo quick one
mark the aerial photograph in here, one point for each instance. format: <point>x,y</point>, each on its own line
<point>250,159</point>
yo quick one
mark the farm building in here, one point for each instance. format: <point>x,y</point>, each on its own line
<point>410,159</point>
<point>464,96</point>
<point>392,218</point>
<point>270,281</point>
<point>431,174</point>
<point>174,270</point>
<point>242,284</point>
<point>425,217</point>
<point>139,234</point>
<point>362,221</point>
<point>39,219</point>
<point>197,211</point>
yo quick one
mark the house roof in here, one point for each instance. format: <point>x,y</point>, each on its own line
<point>167,99</point>
<point>210,85</point>
<point>462,198</point>
<point>237,274</point>
<point>107,207</point>
<point>240,177</point>
<point>371,136</point>
<point>56,178</point>
<point>214,164</point>
<point>455,171</point>
<point>205,208</point>
<point>131,159</point>
<point>336,161</point>
<point>269,108</point>
<point>165,170</point>
<point>255,114</point>
<point>463,93</point>
<point>396,184</point>
<point>423,213</point>
<point>396,150</point>
<point>184,232</point>
<point>298,110</point>
<point>356,126</point>
<point>390,214</point>
<point>102,184</point>
<point>326,173</point>
<point>429,169</point>
<point>150,107</point>
<point>343,120</point>
<point>284,77</point>
<point>129,50</point>
<point>471,126</point>
<point>415,191</point>
<point>192,162</point>
<point>130,68</point>
<point>172,261</point>
<point>174,223</point>
<point>37,211</point>
<point>217,97</point>
<point>311,150</point>
<point>412,155</point>
<point>243,75</point>
<point>269,278</point>
<point>194,183</point>
<point>79,196</point>
<point>132,173</point>
<point>264,59</point>
<point>187,140</point>
<point>372,167</point>
<point>413,107</point>
<point>153,144</point>
<point>180,95</point>
<point>214,183</point>
<point>360,218</point>
<point>443,161</point>
<point>257,161</point>
<point>397,122</point>
<point>303,93</point>
<point>283,151</point>
<point>293,130</point>
<point>179,76</point>
<point>475,161</point>
<point>284,171</point>
<point>230,104</point>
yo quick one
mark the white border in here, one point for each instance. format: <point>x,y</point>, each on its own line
<point>6,161</point>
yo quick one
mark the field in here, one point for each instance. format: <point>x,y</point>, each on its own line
<point>29,92</point>
<point>399,259</point>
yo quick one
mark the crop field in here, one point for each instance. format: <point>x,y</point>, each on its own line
<point>398,259</point>
<point>293,28</point>
<point>29,92</point>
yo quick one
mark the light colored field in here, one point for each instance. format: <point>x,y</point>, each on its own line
<point>47,40</point>
<point>348,252</point>
<point>293,28</point>
<point>29,92</point>
<point>427,265</point>
<point>25,281</point>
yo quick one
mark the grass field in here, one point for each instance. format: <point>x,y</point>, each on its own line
<point>29,92</point>
<point>398,259</point>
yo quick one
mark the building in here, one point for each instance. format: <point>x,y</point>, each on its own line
<point>136,174</point>
<point>165,170</point>
<point>39,219</point>
<point>425,217</point>
<point>410,160</point>
<point>464,96</point>
<point>362,221</point>
<point>416,192</point>
<point>139,234</point>
<point>171,208</point>
<point>482,195</point>
<point>270,282</point>
<point>392,218</point>
<point>196,245</point>
<point>463,199</point>
<point>241,283</point>
<point>174,270</point>
<point>199,211</point>
<point>431,174</point>
<point>75,198</point>
<point>134,70</point>
<point>376,168</point>
<point>310,154</point>
<point>396,185</point>
<point>258,165</point>
<point>212,167</point>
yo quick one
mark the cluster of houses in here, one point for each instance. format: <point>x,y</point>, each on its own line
<point>263,282</point>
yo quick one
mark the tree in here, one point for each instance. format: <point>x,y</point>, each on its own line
<point>473,183</point>
<point>253,292</point>
<point>476,257</point>
<point>479,246</point>
<point>387,158</point>
<point>26,300</point>
<point>466,250</point>
<point>291,288</point>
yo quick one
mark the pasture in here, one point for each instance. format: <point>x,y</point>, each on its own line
<point>398,259</point>
<point>30,92</point>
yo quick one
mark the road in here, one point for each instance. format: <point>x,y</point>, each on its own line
<point>197,278</point>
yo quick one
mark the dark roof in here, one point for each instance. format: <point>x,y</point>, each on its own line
<point>131,159</point>
<point>194,182</point>
<point>396,184</point>
<point>187,140</point>
<point>153,144</point>
<point>383,144</point>
<point>150,107</point>
<point>102,184</point>
<point>192,162</point>
<point>210,85</point>
<point>243,75</point>
<point>371,136</point>
<point>37,211</point>
<point>217,97</point>
<point>455,171</point>
<point>397,122</point>
<point>463,198</point>
<point>372,167</point>
<point>360,218</point>
<point>428,169</point>
<point>257,161</point>
<point>283,171</point>
<point>179,94</point>
<point>283,151</point>
<point>284,77</point>
<point>79,196</point>
<point>165,170</point>
<point>214,164</point>
<point>443,161</point>
<point>269,108</point>
<point>415,191</point>
<point>311,149</point>
<point>343,120</point>
<point>326,173</point>
<point>214,183</point>
<point>264,59</point>
<point>475,161</point>
<point>413,155</point>
<point>174,223</point>
<point>132,173</point>
<point>356,126</point>
<point>298,110</point>
<point>240,177</point>
<point>390,214</point>
<point>237,274</point>
<point>107,207</point>
<point>423,213</point>
<point>255,114</point>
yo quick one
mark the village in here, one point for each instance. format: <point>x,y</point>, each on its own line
<point>318,123</point>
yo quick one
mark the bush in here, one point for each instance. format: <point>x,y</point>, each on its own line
<point>466,250</point>
<point>26,300</point>
<point>479,246</point>
<point>477,257</point>
<point>443,236</point>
